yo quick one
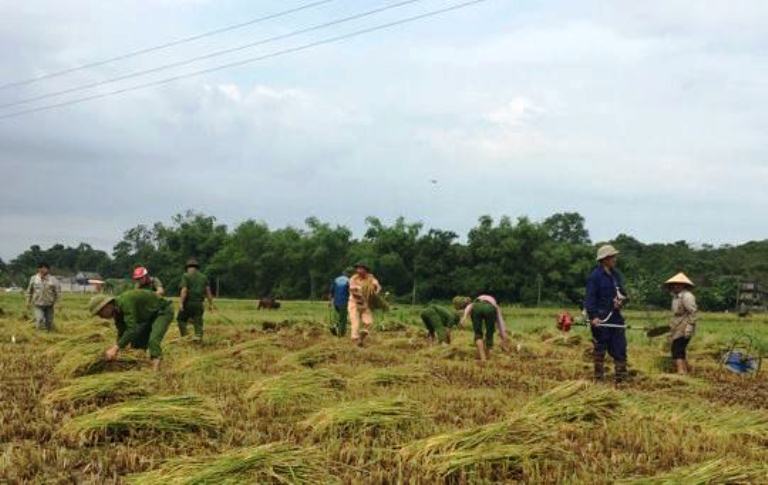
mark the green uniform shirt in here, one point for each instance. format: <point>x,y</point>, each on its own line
<point>195,283</point>
<point>154,284</point>
<point>135,310</point>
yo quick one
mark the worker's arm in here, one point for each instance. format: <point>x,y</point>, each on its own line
<point>131,323</point>
<point>377,285</point>
<point>30,290</point>
<point>159,289</point>
<point>184,292</point>
<point>209,296</point>
<point>590,301</point>
<point>56,291</point>
<point>467,312</point>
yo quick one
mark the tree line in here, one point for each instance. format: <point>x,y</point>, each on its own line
<point>520,261</point>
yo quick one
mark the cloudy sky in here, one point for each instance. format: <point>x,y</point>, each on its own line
<point>647,117</point>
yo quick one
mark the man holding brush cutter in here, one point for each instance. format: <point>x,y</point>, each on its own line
<point>141,318</point>
<point>603,303</point>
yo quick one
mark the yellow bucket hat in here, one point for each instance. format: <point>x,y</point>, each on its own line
<point>679,279</point>
<point>606,252</point>
<point>98,302</point>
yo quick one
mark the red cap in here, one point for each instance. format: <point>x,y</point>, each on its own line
<point>140,272</point>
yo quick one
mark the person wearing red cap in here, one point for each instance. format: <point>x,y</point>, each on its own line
<point>146,282</point>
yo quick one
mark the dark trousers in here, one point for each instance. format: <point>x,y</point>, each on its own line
<point>679,346</point>
<point>342,315</point>
<point>192,312</point>
<point>613,341</point>
<point>484,322</point>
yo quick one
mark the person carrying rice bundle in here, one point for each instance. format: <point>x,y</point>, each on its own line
<point>194,291</point>
<point>141,318</point>
<point>603,303</point>
<point>339,299</point>
<point>683,323</point>
<point>486,317</point>
<point>363,291</point>
<point>439,322</point>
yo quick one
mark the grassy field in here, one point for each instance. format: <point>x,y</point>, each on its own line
<point>289,403</point>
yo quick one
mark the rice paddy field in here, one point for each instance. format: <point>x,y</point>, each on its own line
<point>273,397</point>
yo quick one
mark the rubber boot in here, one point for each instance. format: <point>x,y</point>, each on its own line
<point>621,372</point>
<point>599,360</point>
<point>682,366</point>
<point>481,350</point>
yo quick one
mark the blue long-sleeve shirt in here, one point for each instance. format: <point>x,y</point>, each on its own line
<point>602,289</point>
<point>340,291</point>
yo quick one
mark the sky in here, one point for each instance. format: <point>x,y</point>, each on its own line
<point>648,118</point>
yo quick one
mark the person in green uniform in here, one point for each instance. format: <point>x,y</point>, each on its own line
<point>439,322</point>
<point>141,318</point>
<point>194,291</point>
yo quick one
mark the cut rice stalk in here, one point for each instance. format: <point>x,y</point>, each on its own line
<point>296,391</point>
<point>390,376</point>
<point>506,459</point>
<point>714,471</point>
<point>115,386</point>
<point>159,415</point>
<point>89,359</point>
<point>363,416</point>
<point>271,463</point>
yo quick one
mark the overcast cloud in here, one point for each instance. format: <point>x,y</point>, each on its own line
<point>647,117</point>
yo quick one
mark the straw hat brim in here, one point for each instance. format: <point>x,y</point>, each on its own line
<point>679,279</point>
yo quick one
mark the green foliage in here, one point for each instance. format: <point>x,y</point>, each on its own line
<point>518,261</point>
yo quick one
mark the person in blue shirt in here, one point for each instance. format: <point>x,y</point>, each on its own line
<point>604,301</point>
<point>339,295</point>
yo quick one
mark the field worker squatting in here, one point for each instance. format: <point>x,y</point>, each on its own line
<point>604,300</point>
<point>146,282</point>
<point>486,317</point>
<point>362,285</point>
<point>141,318</point>
<point>42,294</point>
<point>340,300</point>
<point>439,322</point>
<point>194,290</point>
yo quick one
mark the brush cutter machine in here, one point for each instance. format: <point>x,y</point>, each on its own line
<point>565,321</point>
<point>741,357</point>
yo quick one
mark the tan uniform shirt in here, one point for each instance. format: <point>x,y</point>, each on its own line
<point>357,290</point>
<point>43,291</point>
<point>683,314</point>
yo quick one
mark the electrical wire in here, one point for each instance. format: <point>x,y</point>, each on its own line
<point>211,55</point>
<point>328,40</point>
<point>166,45</point>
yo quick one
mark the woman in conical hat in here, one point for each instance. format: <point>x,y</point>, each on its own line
<point>683,323</point>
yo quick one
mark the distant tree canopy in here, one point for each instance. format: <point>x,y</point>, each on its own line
<point>520,261</point>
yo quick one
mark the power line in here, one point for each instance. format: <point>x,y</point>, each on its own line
<point>328,40</point>
<point>166,45</point>
<point>211,55</point>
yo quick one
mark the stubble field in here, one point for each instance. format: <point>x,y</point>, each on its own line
<point>272,397</point>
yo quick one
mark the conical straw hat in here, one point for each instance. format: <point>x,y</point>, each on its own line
<point>681,279</point>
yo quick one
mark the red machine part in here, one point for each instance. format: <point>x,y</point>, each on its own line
<point>564,321</point>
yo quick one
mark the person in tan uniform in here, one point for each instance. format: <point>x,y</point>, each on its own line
<point>683,323</point>
<point>362,287</point>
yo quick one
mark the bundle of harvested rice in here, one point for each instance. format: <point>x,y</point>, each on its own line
<point>161,415</point>
<point>271,463</point>
<point>364,416</point>
<point>573,401</point>
<point>236,356</point>
<point>296,391</point>
<point>712,419</point>
<point>714,471</point>
<point>314,356</point>
<point>68,344</point>
<point>532,424</point>
<point>516,430</point>
<point>505,460</point>
<point>115,386</point>
<point>390,376</point>
<point>89,359</point>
